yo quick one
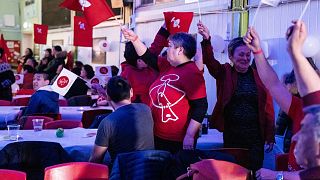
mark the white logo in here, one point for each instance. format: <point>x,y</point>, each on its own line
<point>39,30</point>
<point>163,102</point>
<point>82,25</point>
<point>84,4</point>
<point>176,22</point>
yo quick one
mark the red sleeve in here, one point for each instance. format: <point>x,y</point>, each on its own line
<point>194,84</point>
<point>311,99</point>
<point>159,42</point>
<point>163,64</point>
<point>270,124</point>
<point>296,113</point>
<point>213,65</point>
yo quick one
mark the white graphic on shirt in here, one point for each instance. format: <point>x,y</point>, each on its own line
<point>176,22</point>
<point>39,30</point>
<point>82,25</point>
<point>167,113</point>
<point>84,4</point>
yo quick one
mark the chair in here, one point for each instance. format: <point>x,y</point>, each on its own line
<point>241,155</point>
<point>82,100</point>
<point>54,116</point>
<point>219,170</point>
<point>25,91</point>
<point>77,170</point>
<point>21,101</point>
<point>6,174</point>
<point>28,124</point>
<point>65,124</point>
<point>89,116</point>
<point>5,103</point>
<point>63,102</point>
<point>282,162</point>
<point>32,157</point>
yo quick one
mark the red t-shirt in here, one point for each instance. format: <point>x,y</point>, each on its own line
<point>296,114</point>
<point>140,81</point>
<point>170,95</point>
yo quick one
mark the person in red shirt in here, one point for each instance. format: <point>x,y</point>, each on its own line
<point>308,86</point>
<point>139,75</point>
<point>178,95</point>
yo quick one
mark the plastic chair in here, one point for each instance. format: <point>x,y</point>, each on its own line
<point>65,124</point>
<point>25,91</point>
<point>240,154</point>
<point>5,103</point>
<point>28,124</point>
<point>282,162</point>
<point>6,174</point>
<point>89,116</point>
<point>55,116</point>
<point>77,170</point>
<point>21,101</point>
<point>63,102</point>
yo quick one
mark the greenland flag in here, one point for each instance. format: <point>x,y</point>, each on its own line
<point>273,3</point>
<point>19,78</point>
<point>64,82</point>
<point>103,71</point>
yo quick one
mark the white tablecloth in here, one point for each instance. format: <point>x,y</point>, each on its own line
<point>75,141</point>
<point>9,113</point>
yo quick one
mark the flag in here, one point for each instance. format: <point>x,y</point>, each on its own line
<point>40,33</point>
<point>178,21</point>
<point>103,71</point>
<point>19,78</point>
<point>95,11</point>
<point>82,34</point>
<point>3,45</point>
<point>64,82</point>
<point>273,3</point>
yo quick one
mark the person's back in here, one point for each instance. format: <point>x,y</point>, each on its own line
<point>129,128</point>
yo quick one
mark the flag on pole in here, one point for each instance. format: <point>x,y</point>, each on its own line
<point>19,78</point>
<point>40,33</point>
<point>273,3</point>
<point>64,82</point>
<point>82,34</point>
<point>178,21</point>
<point>3,45</point>
<point>95,11</point>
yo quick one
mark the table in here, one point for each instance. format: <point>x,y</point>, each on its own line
<point>75,141</point>
<point>8,114</point>
<point>214,139</point>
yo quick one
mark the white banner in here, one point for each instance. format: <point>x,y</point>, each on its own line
<point>63,82</point>
<point>103,71</point>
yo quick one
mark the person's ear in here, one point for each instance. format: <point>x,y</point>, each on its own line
<point>131,93</point>
<point>47,82</point>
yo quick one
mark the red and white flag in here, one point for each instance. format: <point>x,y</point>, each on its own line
<point>82,34</point>
<point>40,33</point>
<point>19,78</point>
<point>273,3</point>
<point>64,82</point>
<point>95,11</point>
<point>103,71</point>
<point>178,21</point>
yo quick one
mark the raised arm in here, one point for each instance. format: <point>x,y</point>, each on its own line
<point>160,41</point>
<point>307,79</point>
<point>213,65</point>
<point>266,73</point>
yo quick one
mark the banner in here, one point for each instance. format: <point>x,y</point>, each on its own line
<point>63,82</point>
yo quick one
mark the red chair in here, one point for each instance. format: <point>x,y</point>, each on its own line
<point>6,174</point>
<point>5,103</point>
<point>21,101</point>
<point>88,116</point>
<point>282,162</point>
<point>241,155</point>
<point>77,170</point>
<point>65,124</point>
<point>25,91</point>
<point>63,102</point>
<point>28,124</point>
<point>54,116</point>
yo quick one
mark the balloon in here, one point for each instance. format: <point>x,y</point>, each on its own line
<point>218,44</point>
<point>104,45</point>
<point>311,46</point>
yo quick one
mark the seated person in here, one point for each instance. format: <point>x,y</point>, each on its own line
<point>44,100</point>
<point>129,128</point>
<point>28,77</point>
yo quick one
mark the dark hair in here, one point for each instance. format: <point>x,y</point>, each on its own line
<point>1,52</point>
<point>57,48</point>
<point>234,43</point>
<point>118,89</point>
<point>49,51</point>
<point>114,70</point>
<point>186,41</point>
<point>78,64</point>
<point>289,78</point>
<point>89,70</point>
<point>44,75</point>
<point>30,52</point>
<point>28,68</point>
<point>130,54</point>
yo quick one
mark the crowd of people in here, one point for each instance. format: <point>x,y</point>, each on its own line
<point>160,101</point>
